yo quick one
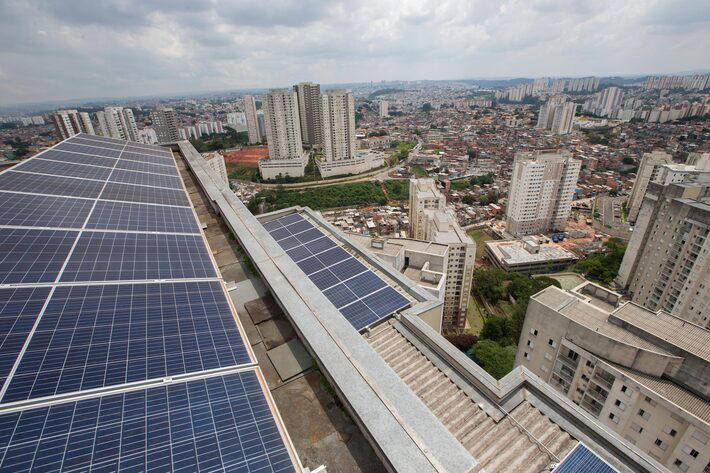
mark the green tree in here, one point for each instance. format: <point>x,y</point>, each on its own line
<point>497,360</point>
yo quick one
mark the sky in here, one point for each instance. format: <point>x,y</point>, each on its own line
<point>74,49</point>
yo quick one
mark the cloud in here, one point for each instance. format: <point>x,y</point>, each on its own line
<point>97,48</point>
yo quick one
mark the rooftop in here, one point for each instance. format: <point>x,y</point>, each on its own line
<point>514,252</point>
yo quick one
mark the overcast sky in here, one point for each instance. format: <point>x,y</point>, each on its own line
<point>62,49</point>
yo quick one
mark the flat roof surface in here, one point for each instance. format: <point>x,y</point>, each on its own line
<point>513,252</point>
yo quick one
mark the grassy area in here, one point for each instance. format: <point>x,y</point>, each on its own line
<point>419,171</point>
<point>397,190</point>
<point>241,172</point>
<point>474,315</point>
<point>480,237</point>
<point>324,197</point>
<point>505,308</point>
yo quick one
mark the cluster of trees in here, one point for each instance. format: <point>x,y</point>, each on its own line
<point>323,197</point>
<point>377,133</point>
<point>496,345</point>
<point>483,199</point>
<point>403,149</point>
<point>603,267</point>
<point>462,184</point>
<point>397,189</point>
<point>379,92</point>
<point>218,141</point>
<point>20,148</point>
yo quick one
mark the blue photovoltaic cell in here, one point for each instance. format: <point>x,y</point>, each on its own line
<point>299,227</point>
<point>319,245</point>
<point>340,295</point>
<point>142,217</point>
<point>386,301</point>
<point>289,219</point>
<point>147,167</point>
<point>581,459</point>
<point>365,283</point>
<point>143,194</point>
<point>32,256</point>
<point>334,255</point>
<point>348,268</point>
<point>102,144</point>
<point>150,151</point>
<point>145,158</point>
<point>288,243</point>
<point>77,148</point>
<point>19,308</point>
<point>309,235</point>
<point>53,185</point>
<point>145,179</point>
<point>310,265</point>
<point>359,315</point>
<point>108,256</point>
<point>96,336</point>
<point>59,168</point>
<point>221,423</point>
<point>43,211</point>
<point>280,233</point>
<point>272,225</point>
<point>98,139</point>
<point>324,279</point>
<point>69,157</point>
<point>298,253</point>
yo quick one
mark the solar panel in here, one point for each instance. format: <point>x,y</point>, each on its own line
<point>95,336</point>
<point>69,157</point>
<point>299,227</point>
<point>310,265</point>
<point>220,423</point>
<point>109,215</point>
<point>365,283</point>
<point>102,144</point>
<point>98,139</point>
<point>289,219</point>
<point>33,256</point>
<point>274,224</point>
<point>582,459</point>
<point>19,309</point>
<point>148,195</point>
<point>52,185</point>
<point>309,235</point>
<point>147,158</point>
<point>59,168</point>
<point>147,149</point>
<point>298,253</point>
<point>288,243</point>
<point>348,268</point>
<point>359,315</point>
<point>280,233</point>
<point>108,256</point>
<point>147,167</point>
<point>340,295</point>
<point>386,301</point>
<point>323,279</point>
<point>94,150</point>
<point>43,211</point>
<point>319,245</point>
<point>145,179</point>
<point>334,255</point>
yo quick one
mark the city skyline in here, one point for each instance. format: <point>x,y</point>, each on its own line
<point>159,49</point>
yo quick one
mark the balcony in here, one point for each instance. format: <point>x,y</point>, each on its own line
<point>599,397</point>
<point>604,381</point>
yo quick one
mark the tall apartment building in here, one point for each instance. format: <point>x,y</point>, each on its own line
<point>165,125</point>
<point>643,374</point>
<point>119,123</point>
<point>607,99</point>
<point>283,134</point>
<point>556,115</point>
<point>541,191</point>
<point>384,109</point>
<point>215,161</point>
<point>647,172</point>
<point>68,123</point>
<point>309,112</point>
<point>249,106</point>
<point>546,115</point>
<point>667,261</point>
<point>430,220</point>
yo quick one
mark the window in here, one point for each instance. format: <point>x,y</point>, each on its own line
<point>681,466</point>
<point>690,451</point>
<point>644,414</point>
<point>700,437</point>
<point>624,389</point>
<point>552,343</point>
<point>525,355</point>
<point>618,403</point>
<point>614,418</point>
<point>661,444</point>
<point>650,401</point>
<point>669,431</point>
<point>531,344</point>
<point>636,428</point>
<point>533,332</point>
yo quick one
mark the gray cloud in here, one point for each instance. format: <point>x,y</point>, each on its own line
<point>90,48</point>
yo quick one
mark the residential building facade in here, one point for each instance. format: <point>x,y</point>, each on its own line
<point>119,123</point>
<point>68,123</point>
<point>309,112</point>
<point>249,106</point>
<point>165,125</point>
<point>541,192</point>
<point>647,172</point>
<point>283,134</point>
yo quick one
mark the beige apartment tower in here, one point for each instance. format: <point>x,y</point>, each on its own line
<point>68,123</point>
<point>165,125</point>
<point>309,111</point>
<point>667,261</point>
<point>338,118</point>
<point>643,374</point>
<point>119,123</point>
<point>647,171</point>
<point>249,106</point>
<point>541,191</point>
<point>283,134</point>
<point>430,220</point>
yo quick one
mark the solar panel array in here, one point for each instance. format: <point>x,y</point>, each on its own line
<point>581,459</point>
<point>360,295</point>
<point>107,292</point>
